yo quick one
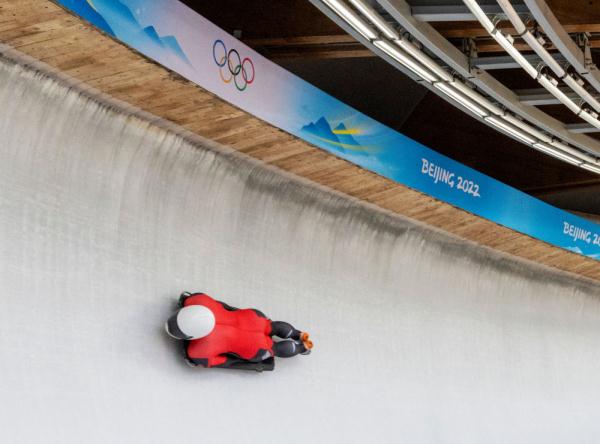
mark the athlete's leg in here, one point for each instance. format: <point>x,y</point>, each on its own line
<point>289,348</point>
<point>284,330</point>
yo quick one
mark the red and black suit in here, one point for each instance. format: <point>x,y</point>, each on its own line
<point>241,338</point>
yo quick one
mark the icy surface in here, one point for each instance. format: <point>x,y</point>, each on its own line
<point>419,338</point>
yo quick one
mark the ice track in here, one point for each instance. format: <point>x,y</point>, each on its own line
<point>420,338</point>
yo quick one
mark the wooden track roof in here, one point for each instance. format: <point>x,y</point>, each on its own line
<point>43,30</point>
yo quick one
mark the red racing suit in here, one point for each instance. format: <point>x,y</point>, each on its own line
<point>240,337</point>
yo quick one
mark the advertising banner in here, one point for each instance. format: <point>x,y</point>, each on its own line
<point>180,39</point>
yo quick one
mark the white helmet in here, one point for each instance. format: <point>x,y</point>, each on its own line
<point>191,322</point>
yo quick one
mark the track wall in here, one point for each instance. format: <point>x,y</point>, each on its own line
<point>419,337</point>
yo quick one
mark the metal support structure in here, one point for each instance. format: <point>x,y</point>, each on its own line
<point>449,54</point>
<point>541,96</point>
<point>507,62</point>
<point>516,122</point>
<point>454,13</point>
<point>582,128</point>
<point>563,42</point>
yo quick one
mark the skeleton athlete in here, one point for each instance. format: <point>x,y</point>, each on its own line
<point>218,335</point>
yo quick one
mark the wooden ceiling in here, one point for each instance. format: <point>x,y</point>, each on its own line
<point>295,28</point>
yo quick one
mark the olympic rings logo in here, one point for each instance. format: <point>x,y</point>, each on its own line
<point>232,67</point>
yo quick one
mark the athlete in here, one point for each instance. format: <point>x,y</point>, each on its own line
<point>218,335</point>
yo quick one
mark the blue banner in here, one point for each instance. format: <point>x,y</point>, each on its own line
<point>180,39</point>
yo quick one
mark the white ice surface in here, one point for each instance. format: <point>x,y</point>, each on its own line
<point>419,338</point>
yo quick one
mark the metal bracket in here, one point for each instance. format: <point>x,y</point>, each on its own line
<point>527,19</point>
<point>469,48</point>
<point>497,18</point>
<point>582,40</point>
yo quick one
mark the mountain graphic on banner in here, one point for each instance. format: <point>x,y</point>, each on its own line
<point>343,134</point>
<point>85,10</point>
<point>167,41</point>
<point>122,22</point>
<point>339,136</point>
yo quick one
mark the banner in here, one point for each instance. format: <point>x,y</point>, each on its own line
<point>180,39</point>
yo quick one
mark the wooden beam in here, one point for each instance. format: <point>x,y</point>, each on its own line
<point>287,53</point>
<point>298,24</point>
<point>488,45</point>
<point>310,47</point>
<point>473,30</point>
<point>344,46</point>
